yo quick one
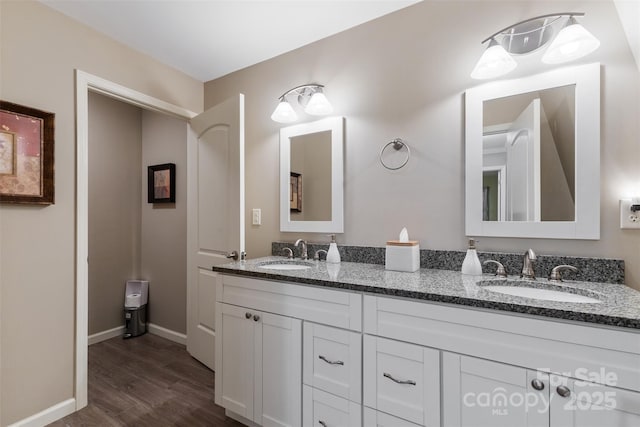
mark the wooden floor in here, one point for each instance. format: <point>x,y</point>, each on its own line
<point>147,381</point>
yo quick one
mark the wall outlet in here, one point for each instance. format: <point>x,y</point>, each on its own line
<point>256,216</point>
<point>628,219</point>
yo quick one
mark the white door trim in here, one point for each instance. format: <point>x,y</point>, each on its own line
<point>84,83</point>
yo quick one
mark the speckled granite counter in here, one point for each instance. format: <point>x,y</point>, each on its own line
<point>619,306</point>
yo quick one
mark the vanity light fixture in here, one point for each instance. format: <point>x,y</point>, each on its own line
<point>310,96</point>
<point>573,41</point>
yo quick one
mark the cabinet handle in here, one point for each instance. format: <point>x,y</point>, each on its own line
<point>331,362</point>
<point>409,382</point>
<point>537,384</point>
<point>563,391</point>
<point>256,318</point>
<point>322,423</point>
<point>247,315</point>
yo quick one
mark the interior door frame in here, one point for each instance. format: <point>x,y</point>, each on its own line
<point>86,83</point>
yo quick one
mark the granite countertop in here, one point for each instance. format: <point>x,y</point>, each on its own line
<point>619,305</point>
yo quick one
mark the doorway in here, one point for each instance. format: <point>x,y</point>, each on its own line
<point>84,84</point>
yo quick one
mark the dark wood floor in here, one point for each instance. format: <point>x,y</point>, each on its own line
<point>147,381</point>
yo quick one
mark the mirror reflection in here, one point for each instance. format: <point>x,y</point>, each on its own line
<point>311,177</point>
<point>310,189</point>
<point>528,156</point>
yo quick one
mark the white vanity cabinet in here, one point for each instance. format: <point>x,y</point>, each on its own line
<point>259,353</point>
<point>261,375</point>
<point>289,355</point>
<point>494,365</point>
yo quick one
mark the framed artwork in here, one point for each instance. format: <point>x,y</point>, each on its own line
<point>295,194</point>
<point>26,155</point>
<point>161,183</point>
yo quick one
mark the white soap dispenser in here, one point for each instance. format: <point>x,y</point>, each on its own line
<point>471,264</point>
<point>333,256</point>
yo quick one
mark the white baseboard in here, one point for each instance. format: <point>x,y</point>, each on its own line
<point>49,415</point>
<point>106,335</point>
<point>176,337</point>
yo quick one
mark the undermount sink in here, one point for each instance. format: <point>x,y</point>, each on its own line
<point>286,265</point>
<point>547,293</point>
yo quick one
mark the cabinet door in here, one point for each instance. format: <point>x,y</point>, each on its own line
<point>278,368</point>
<point>402,379</point>
<point>235,377</point>
<point>580,404</point>
<point>478,393</point>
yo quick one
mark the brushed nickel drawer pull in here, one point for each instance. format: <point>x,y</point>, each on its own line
<point>331,362</point>
<point>409,382</point>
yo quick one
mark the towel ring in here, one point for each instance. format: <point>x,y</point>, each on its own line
<point>397,145</point>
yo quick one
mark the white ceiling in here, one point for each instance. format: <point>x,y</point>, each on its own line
<point>207,39</point>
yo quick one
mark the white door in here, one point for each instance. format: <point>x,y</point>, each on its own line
<point>278,371</point>
<point>235,384</point>
<point>581,404</point>
<point>480,393</point>
<point>523,165</point>
<point>215,214</point>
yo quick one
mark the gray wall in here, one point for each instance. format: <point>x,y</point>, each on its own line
<point>130,238</point>
<point>404,75</point>
<point>39,50</point>
<point>115,155</point>
<point>164,226</point>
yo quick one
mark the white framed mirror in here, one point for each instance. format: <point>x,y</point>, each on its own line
<point>311,177</point>
<point>532,150</point>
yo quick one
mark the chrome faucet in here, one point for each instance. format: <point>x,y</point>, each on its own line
<point>303,251</point>
<point>527,265</point>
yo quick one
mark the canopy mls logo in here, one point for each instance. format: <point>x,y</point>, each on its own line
<point>582,389</point>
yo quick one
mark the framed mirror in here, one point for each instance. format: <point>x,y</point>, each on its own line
<point>311,177</point>
<point>532,151</point>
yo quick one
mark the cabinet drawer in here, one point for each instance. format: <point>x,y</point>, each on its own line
<point>373,418</point>
<point>321,409</point>
<point>332,360</point>
<point>331,307</point>
<point>402,379</point>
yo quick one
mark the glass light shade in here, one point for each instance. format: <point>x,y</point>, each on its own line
<point>573,42</point>
<point>494,62</point>
<point>318,105</point>
<point>284,113</point>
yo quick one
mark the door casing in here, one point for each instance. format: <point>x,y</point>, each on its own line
<point>85,83</point>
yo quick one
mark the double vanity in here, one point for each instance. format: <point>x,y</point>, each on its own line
<point>302,342</point>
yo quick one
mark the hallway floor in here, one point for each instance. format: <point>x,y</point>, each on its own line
<point>147,381</point>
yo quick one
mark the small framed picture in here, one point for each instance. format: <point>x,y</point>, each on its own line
<point>26,155</point>
<point>161,183</point>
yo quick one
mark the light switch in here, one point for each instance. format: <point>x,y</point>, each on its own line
<point>628,218</point>
<point>256,215</point>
